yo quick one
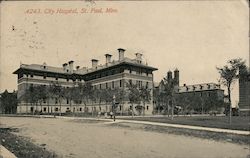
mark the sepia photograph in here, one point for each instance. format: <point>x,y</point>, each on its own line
<point>124,79</point>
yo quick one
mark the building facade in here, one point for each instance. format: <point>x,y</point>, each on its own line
<point>111,75</point>
<point>244,91</point>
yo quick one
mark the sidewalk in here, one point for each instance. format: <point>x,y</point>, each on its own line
<point>220,130</point>
<point>5,153</point>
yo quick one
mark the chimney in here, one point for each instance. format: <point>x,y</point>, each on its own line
<point>108,58</point>
<point>121,53</point>
<point>94,63</point>
<point>71,66</point>
<point>169,76</point>
<point>138,57</point>
<point>65,66</point>
<point>176,76</point>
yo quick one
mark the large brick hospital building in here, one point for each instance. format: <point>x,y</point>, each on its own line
<point>112,74</point>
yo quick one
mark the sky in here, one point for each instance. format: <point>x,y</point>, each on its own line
<point>193,36</point>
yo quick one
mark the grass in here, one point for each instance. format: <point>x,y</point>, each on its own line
<point>238,123</point>
<point>22,147</point>
<point>224,137</point>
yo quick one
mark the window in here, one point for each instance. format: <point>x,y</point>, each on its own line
<point>44,100</point>
<point>130,82</point>
<point>120,83</point>
<point>100,86</point>
<point>147,107</point>
<point>67,80</point>
<point>121,70</point>
<point>56,101</point>
<point>100,108</point>
<point>80,109</point>
<point>44,109</point>
<point>31,75</point>
<point>146,84</point>
<point>106,85</point>
<point>113,84</point>
<point>120,108</point>
<point>44,77</point>
<point>67,101</point>
<point>56,78</point>
<point>56,109</point>
<point>44,67</point>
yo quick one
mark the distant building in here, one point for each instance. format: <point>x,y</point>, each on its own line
<point>112,74</point>
<point>244,92</point>
<point>204,91</point>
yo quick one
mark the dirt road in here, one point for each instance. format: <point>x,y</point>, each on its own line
<point>81,139</point>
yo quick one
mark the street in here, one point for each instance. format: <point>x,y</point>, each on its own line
<point>79,138</point>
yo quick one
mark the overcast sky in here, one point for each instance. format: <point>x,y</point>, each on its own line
<point>193,36</point>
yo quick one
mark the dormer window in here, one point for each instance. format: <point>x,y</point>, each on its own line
<point>201,86</point>
<point>208,86</point>
<point>44,66</point>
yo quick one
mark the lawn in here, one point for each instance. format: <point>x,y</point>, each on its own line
<point>238,123</point>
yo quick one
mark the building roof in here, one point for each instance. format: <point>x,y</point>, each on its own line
<point>83,70</point>
<point>199,87</point>
<point>43,68</point>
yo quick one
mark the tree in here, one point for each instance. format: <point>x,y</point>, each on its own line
<point>145,97</point>
<point>8,102</point>
<point>133,93</point>
<point>86,93</point>
<point>40,91</point>
<point>228,74</point>
<point>69,95</point>
<point>58,94</point>
<point>185,101</point>
<point>170,89</point>
<point>32,96</point>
